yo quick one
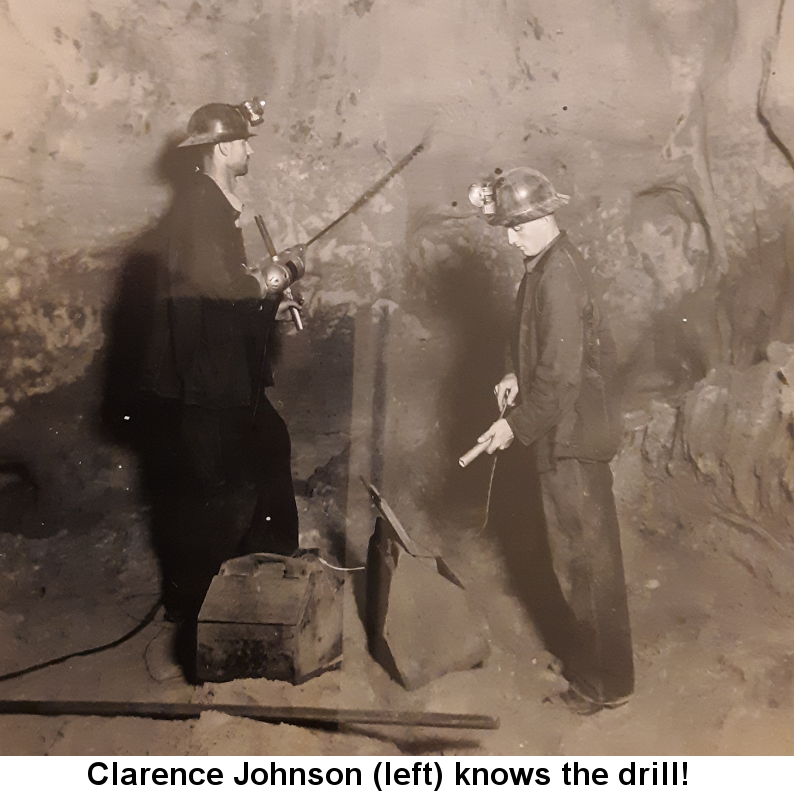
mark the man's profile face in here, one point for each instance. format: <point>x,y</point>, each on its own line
<point>237,154</point>
<point>530,237</point>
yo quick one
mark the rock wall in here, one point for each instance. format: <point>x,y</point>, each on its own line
<point>647,113</point>
<point>738,433</point>
<point>714,469</point>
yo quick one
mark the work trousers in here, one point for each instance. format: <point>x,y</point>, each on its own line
<point>234,496</point>
<point>563,525</point>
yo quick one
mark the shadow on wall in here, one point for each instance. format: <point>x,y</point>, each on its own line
<point>669,240</point>
<point>698,319</point>
<point>58,469</point>
<point>759,301</point>
<point>464,286</point>
<point>132,317</point>
<point>129,417</point>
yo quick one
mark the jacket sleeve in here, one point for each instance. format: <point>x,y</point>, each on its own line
<point>552,390</point>
<point>510,366</point>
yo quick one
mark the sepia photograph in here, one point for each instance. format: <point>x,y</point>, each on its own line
<point>396,378</point>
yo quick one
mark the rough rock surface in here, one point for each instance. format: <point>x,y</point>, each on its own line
<point>738,432</point>
<point>776,100</point>
<point>667,121</point>
<point>645,113</point>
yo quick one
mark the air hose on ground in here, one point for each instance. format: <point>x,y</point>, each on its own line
<point>145,621</point>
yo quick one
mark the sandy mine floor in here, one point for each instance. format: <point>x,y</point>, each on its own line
<point>714,651</point>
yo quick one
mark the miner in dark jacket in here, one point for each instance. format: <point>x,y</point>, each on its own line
<point>560,401</point>
<point>208,358</point>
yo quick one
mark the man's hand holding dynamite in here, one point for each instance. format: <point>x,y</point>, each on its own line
<point>506,391</point>
<point>499,435</point>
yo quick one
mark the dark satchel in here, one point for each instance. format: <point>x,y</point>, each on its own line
<point>419,621</point>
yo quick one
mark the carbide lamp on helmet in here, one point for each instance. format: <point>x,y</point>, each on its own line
<point>481,196</point>
<point>215,123</point>
<point>253,110</point>
<point>522,195</point>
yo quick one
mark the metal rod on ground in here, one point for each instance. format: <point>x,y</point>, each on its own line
<point>370,193</point>
<point>164,711</point>
<point>271,250</point>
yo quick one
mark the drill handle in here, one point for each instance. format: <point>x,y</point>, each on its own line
<point>271,249</point>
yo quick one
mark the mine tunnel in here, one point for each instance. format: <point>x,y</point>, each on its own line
<point>668,128</point>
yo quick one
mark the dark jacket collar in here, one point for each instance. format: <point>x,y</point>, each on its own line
<point>204,184</point>
<point>535,264</point>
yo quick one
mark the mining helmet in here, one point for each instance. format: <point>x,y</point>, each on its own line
<point>519,195</point>
<point>215,123</point>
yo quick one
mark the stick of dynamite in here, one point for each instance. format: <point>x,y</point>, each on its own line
<point>477,450</point>
<point>473,453</point>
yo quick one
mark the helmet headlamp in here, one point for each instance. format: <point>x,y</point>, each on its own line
<point>253,111</point>
<point>481,196</point>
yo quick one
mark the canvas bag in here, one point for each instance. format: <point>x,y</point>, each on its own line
<point>419,621</point>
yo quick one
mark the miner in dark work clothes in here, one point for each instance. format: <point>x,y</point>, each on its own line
<point>560,405</point>
<point>208,364</point>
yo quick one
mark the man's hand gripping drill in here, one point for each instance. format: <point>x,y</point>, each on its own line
<point>284,269</point>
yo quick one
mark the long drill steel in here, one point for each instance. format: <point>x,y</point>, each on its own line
<point>370,192</point>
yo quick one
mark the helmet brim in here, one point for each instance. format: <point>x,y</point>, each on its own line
<point>546,208</point>
<point>211,138</point>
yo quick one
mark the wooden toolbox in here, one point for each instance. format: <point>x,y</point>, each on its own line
<point>270,616</point>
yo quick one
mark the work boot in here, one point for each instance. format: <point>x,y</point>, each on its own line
<point>578,703</point>
<point>161,654</point>
<point>581,705</point>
